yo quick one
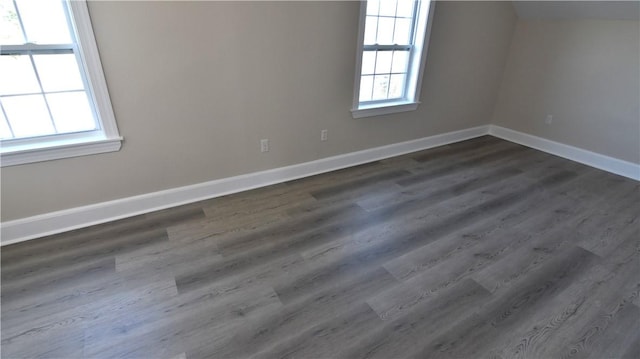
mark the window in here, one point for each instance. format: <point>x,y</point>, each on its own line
<point>53,97</point>
<point>391,50</point>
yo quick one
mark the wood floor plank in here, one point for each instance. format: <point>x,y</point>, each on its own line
<point>435,188</point>
<point>191,322</point>
<point>605,295</point>
<point>131,299</point>
<point>60,342</point>
<point>532,252</point>
<point>406,333</point>
<point>326,339</point>
<point>405,242</point>
<point>466,253</point>
<point>478,158</point>
<point>513,223</point>
<point>247,212</point>
<point>266,252</point>
<point>103,236</point>
<point>315,307</point>
<point>397,219</point>
<point>531,338</point>
<point>350,186</point>
<point>482,248</point>
<point>59,261</point>
<point>167,256</point>
<point>456,149</point>
<point>309,219</point>
<point>602,232</point>
<point>474,335</point>
<point>609,336</point>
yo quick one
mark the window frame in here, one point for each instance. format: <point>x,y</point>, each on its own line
<point>104,139</point>
<point>421,33</point>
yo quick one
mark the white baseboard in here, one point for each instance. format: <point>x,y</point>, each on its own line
<point>61,221</point>
<point>606,163</point>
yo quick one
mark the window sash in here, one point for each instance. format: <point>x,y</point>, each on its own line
<point>390,47</point>
<point>420,33</point>
<point>53,147</point>
<point>407,72</point>
<point>32,49</point>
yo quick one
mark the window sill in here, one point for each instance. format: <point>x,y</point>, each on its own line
<point>17,155</point>
<point>384,109</point>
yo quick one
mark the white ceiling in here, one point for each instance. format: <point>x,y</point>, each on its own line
<point>563,10</point>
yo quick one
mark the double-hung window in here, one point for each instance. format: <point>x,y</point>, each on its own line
<point>53,96</point>
<point>391,55</point>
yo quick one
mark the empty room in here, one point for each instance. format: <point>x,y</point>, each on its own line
<point>319,179</point>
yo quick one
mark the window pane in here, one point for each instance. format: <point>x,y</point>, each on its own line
<point>372,7</point>
<point>17,75</point>
<point>71,111</point>
<point>402,32</point>
<point>368,62</point>
<point>388,8</point>
<point>28,115</point>
<point>366,87</point>
<point>380,87</point>
<point>396,86</point>
<point>400,61</point>
<point>5,132</point>
<point>405,8</point>
<point>385,31</point>
<point>10,32</point>
<point>44,21</point>
<point>370,30</point>
<point>58,72</point>
<point>383,62</point>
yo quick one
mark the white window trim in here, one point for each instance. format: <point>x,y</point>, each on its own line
<point>76,144</point>
<point>411,102</point>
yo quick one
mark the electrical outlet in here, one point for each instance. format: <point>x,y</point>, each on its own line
<point>549,119</point>
<point>264,145</point>
<point>323,135</point>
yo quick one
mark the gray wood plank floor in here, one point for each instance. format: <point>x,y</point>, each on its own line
<point>482,248</point>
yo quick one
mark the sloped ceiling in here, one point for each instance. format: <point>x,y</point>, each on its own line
<point>566,10</point>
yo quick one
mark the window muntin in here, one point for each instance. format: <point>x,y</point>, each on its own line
<point>389,67</point>
<point>54,101</point>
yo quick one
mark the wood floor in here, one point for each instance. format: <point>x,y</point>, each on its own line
<point>478,249</point>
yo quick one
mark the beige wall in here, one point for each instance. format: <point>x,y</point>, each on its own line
<point>195,85</point>
<point>586,73</point>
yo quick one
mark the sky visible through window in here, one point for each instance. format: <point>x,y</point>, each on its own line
<point>42,91</point>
